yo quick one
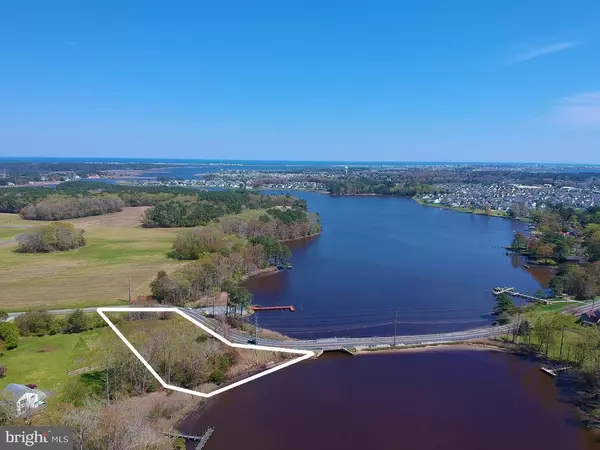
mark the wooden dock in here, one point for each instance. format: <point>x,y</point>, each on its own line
<point>514,293</point>
<point>272,308</point>
<point>201,439</point>
<point>548,371</point>
<point>553,371</point>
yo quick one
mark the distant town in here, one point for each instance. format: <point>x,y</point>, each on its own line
<point>499,188</point>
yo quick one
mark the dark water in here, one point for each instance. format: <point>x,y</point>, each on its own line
<point>451,400</point>
<point>378,255</point>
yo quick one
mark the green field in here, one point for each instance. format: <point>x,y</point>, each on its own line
<point>47,360</point>
<point>94,275</point>
<point>9,233</point>
<point>117,248</point>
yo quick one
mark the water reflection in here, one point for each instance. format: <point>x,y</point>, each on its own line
<point>451,400</point>
<point>379,255</point>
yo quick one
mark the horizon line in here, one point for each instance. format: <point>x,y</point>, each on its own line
<point>354,161</point>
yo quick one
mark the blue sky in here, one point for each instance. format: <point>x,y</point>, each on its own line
<point>511,80</point>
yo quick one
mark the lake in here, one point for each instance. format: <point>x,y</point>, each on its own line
<point>429,400</point>
<point>378,256</point>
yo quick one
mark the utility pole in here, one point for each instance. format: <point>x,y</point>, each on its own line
<point>256,326</point>
<point>129,286</point>
<point>562,335</point>
<point>395,326</point>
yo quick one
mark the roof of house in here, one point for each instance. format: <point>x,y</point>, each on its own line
<point>18,390</point>
<point>590,317</point>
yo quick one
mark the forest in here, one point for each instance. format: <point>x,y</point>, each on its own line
<point>569,239</point>
<point>364,185</point>
<point>225,252</point>
<point>174,206</point>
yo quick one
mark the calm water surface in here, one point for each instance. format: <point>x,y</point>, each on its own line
<point>379,255</point>
<point>451,400</point>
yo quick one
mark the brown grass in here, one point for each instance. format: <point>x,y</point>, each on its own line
<point>94,275</point>
<point>129,217</point>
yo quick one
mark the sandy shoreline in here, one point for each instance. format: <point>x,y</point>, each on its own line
<point>301,237</point>
<point>435,347</point>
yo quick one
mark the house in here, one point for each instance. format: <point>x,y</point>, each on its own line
<point>23,397</point>
<point>590,318</point>
<point>575,259</point>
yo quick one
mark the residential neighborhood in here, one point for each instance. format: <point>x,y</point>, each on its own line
<point>503,196</point>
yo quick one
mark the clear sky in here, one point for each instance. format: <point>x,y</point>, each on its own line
<point>418,80</point>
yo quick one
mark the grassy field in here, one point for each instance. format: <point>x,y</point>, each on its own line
<point>94,275</point>
<point>47,360</point>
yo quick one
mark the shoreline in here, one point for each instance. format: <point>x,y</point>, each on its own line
<point>476,345</point>
<point>308,236</point>
<point>477,211</point>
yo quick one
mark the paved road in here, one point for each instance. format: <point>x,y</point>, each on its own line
<point>336,343</point>
<point>329,343</point>
<point>11,316</point>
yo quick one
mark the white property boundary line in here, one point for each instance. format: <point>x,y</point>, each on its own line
<point>306,354</point>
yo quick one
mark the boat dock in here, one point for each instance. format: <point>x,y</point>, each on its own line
<point>553,372</point>
<point>548,371</point>
<point>514,293</point>
<point>201,439</point>
<point>272,308</point>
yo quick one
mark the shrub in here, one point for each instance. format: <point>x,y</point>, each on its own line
<point>2,371</point>
<point>58,236</point>
<point>9,333</point>
<point>217,376</point>
<point>3,315</point>
<point>77,322</point>
<point>38,323</point>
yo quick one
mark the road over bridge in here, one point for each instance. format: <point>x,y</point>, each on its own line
<point>331,343</point>
<point>339,343</point>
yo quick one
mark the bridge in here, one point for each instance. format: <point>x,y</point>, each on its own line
<point>344,344</point>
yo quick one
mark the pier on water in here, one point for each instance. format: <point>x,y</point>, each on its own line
<point>202,439</point>
<point>273,308</point>
<point>514,293</point>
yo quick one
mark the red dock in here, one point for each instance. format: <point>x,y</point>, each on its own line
<point>272,308</point>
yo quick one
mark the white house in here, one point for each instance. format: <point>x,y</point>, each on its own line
<point>24,398</point>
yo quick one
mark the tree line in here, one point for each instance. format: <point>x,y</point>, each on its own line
<point>378,186</point>
<point>176,206</point>
<point>570,239</point>
<point>60,208</point>
<point>226,252</point>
